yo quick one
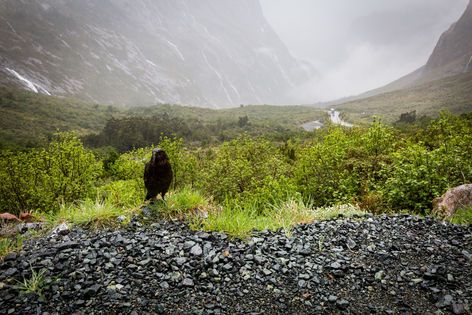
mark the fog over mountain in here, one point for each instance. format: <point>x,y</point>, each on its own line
<point>360,45</point>
<point>221,53</point>
<point>204,53</point>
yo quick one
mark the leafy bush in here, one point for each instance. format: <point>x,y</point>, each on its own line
<point>247,170</point>
<point>183,162</point>
<point>130,165</point>
<point>415,178</point>
<point>43,178</point>
<point>321,173</point>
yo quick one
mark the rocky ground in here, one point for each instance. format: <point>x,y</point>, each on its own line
<point>373,265</point>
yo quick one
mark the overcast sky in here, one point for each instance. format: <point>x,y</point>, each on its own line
<point>360,45</point>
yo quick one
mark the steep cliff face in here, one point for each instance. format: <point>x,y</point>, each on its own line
<point>453,53</point>
<point>206,52</point>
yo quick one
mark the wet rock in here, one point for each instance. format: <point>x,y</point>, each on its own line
<point>166,267</point>
<point>60,230</point>
<point>458,309</point>
<point>196,250</point>
<point>187,282</point>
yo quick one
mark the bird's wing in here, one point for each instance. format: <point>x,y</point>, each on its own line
<point>147,174</point>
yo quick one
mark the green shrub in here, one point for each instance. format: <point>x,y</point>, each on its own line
<point>321,173</point>
<point>247,169</point>
<point>43,178</point>
<point>183,162</point>
<point>415,178</point>
<point>130,165</point>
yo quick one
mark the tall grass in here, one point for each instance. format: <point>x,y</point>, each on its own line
<point>462,216</point>
<point>94,213</point>
<point>181,203</point>
<point>241,221</point>
<point>8,245</point>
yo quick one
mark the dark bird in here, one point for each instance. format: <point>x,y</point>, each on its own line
<point>157,174</point>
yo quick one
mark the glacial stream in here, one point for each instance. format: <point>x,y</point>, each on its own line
<point>335,117</point>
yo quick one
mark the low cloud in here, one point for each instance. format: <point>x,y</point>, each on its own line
<point>356,46</point>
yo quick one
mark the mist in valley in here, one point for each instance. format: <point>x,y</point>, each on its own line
<point>358,46</point>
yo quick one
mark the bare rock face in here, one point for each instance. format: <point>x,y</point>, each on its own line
<point>452,200</point>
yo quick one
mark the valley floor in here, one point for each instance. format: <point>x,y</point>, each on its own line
<point>378,265</point>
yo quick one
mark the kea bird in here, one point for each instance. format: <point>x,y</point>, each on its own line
<point>157,174</point>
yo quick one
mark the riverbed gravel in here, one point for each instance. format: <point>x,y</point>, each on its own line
<point>368,265</point>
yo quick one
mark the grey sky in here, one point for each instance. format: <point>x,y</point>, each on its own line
<point>358,45</point>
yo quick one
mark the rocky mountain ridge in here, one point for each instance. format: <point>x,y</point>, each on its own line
<point>206,53</point>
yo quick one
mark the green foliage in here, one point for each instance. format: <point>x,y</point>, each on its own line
<point>35,284</point>
<point>321,173</point>
<point>8,245</point>
<point>415,177</point>
<point>247,170</point>
<point>43,178</point>
<point>130,165</point>
<point>422,171</point>
<point>462,216</point>
<point>183,162</point>
<point>122,193</point>
<point>181,203</point>
<point>94,213</point>
<point>247,183</point>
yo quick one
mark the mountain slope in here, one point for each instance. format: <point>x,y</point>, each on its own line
<point>453,53</point>
<point>27,118</point>
<point>451,56</point>
<point>451,93</point>
<point>209,53</point>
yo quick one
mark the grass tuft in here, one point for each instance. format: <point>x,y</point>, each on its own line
<point>240,221</point>
<point>90,212</point>
<point>35,284</point>
<point>334,212</point>
<point>462,216</point>
<point>181,203</point>
<point>8,245</point>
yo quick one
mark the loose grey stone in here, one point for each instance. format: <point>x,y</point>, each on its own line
<point>188,282</point>
<point>196,250</point>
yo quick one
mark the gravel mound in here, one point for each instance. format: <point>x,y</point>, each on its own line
<point>377,265</point>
